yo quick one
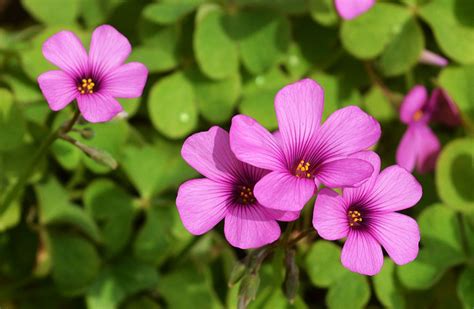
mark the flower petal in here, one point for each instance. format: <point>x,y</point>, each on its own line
<point>414,101</point>
<point>58,88</point>
<point>281,215</point>
<point>362,253</point>
<point>350,9</point>
<point>344,172</point>
<point>283,191</point>
<point>202,203</point>
<point>407,149</point>
<point>299,107</point>
<point>108,50</point>
<point>428,147</point>
<point>354,195</point>
<point>346,131</point>
<point>330,215</point>
<point>395,189</point>
<point>98,107</point>
<point>248,227</point>
<point>445,110</point>
<point>209,153</point>
<point>398,234</point>
<point>65,50</point>
<point>253,144</point>
<point>126,81</point>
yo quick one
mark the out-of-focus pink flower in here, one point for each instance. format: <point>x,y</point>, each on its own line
<point>419,146</point>
<point>93,79</point>
<point>428,57</point>
<point>367,216</point>
<point>227,193</point>
<point>305,153</point>
<point>350,9</point>
<point>444,110</point>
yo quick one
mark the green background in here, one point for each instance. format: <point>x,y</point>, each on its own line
<point>83,235</point>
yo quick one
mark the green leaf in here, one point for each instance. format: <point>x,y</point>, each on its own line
<point>451,22</point>
<point>465,287</point>
<point>215,51</point>
<point>324,12</point>
<point>263,37</point>
<point>119,280</point>
<point>349,291</point>
<point>11,216</point>
<point>23,89</point>
<point>404,50</point>
<point>455,80</point>
<point>259,105</point>
<point>216,99</point>
<point>441,239</point>
<point>454,174</point>
<point>75,262</point>
<point>112,207</point>
<point>172,106</point>
<point>54,12</point>
<point>377,104</point>
<point>12,123</point>
<point>168,13</point>
<point>55,209</point>
<point>323,263</point>
<point>368,35</point>
<point>386,287</point>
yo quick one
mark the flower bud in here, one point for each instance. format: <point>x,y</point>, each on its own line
<point>291,282</point>
<point>237,273</point>
<point>248,290</point>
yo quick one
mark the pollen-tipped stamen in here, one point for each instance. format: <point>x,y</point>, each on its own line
<point>86,86</point>
<point>302,170</point>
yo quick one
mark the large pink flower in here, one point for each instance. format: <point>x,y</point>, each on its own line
<point>93,79</point>
<point>226,192</point>
<point>304,153</point>
<point>367,217</point>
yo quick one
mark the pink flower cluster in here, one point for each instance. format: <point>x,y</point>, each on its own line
<point>254,178</point>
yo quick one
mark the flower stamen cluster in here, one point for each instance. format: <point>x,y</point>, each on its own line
<point>87,86</point>
<point>302,170</point>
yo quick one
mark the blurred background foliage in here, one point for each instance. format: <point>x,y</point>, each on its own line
<point>83,235</point>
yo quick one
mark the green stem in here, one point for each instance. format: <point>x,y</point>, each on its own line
<point>43,149</point>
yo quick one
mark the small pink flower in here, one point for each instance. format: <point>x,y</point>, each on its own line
<point>445,111</point>
<point>304,153</point>
<point>419,146</point>
<point>430,58</point>
<point>350,9</point>
<point>367,217</point>
<point>93,79</point>
<point>225,193</point>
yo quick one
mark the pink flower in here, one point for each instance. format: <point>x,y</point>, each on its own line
<point>428,57</point>
<point>419,145</point>
<point>350,9</point>
<point>94,80</point>
<point>225,193</point>
<point>304,153</point>
<point>445,111</point>
<point>367,217</point>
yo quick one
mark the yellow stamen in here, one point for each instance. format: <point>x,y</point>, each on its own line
<point>87,86</point>
<point>418,115</point>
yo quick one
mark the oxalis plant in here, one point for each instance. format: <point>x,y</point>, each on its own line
<point>315,197</point>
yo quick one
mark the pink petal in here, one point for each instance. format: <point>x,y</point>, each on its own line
<point>281,215</point>
<point>126,81</point>
<point>445,110</point>
<point>299,107</point>
<point>407,149</point>
<point>248,227</point>
<point>108,50</point>
<point>362,253</point>
<point>414,101</point>
<point>428,147</point>
<point>346,131</point>
<point>58,88</point>
<point>330,215</point>
<point>354,195</point>
<point>65,50</point>
<point>398,234</point>
<point>209,153</point>
<point>98,107</point>
<point>349,9</point>
<point>428,57</point>
<point>344,172</point>
<point>395,189</point>
<point>283,191</point>
<point>253,144</point>
<point>202,203</point>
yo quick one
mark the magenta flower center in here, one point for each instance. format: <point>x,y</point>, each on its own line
<point>303,169</point>
<point>244,195</point>
<point>86,86</point>
<point>355,218</point>
<point>418,115</point>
